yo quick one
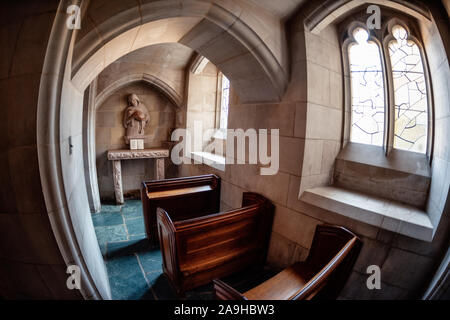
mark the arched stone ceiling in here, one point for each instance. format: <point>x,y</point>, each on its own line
<point>280,8</point>
<point>161,65</point>
<point>246,43</point>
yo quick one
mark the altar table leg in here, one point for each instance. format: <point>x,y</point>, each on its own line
<point>117,175</point>
<point>159,169</point>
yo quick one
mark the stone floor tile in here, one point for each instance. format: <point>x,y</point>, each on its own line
<point>129,247</point>
<point>111,234</point>
<point>126,279</point>
<point>151,260</point>
<point>137,236</point>
<point>135,226</point>
<point>107,219</point>
<point>106,208</point>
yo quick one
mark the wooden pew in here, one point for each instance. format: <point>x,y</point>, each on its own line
<point>198,250</point>
<point>322,276</point>
<point>184,198</point>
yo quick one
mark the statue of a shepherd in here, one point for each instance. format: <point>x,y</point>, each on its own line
<point>135,118</point>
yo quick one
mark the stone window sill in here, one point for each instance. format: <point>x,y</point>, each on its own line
<point>213,160</point>
<point>401,176</point>
<point>379,212</point>
<point>398,160</point>
<point>220,134</point>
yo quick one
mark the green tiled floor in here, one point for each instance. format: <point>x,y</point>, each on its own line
<point>134,270</point>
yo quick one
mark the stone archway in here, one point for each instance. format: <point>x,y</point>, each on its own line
<point>221,33</point>
<point>149,79</point>
<point>259,73</point>
<point>49,155</point>
<point>89,115</point>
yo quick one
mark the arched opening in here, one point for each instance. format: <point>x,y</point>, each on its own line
<point>62,196</point>
<point>207,28</point>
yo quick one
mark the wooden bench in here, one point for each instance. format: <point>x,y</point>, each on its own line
<point>322,276</point>
<point>198,250</point>
<point>184,198</point>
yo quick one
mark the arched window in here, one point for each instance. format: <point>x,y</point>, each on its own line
<point>388,88</point>
<point>367,90</point>
<point>410,93</point>
<point>224,102</point>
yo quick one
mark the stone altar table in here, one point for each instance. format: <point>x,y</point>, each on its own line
<point>116,156</point>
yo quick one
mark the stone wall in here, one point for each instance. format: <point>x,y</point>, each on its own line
<point>110,133</point>
<point>437,49</point>
<point>310,123</point>
<point>320,116</point>
<point>71,153</point>
<point>31,265</point>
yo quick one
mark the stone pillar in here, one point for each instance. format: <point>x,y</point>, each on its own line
<point>117,175</point>
<point>89,156</point>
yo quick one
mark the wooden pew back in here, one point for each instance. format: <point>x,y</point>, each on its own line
<point>197,250</point>
<point>321,285</point>
<point>321,276</point>
<point>184,198</point>
<point>329,242</point>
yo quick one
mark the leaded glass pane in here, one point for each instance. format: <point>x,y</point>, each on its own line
<point>224,103</point>
<point>367,87</point>
<point>410,94</point>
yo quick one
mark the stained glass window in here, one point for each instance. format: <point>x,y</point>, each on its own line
<point>224,103</point>
<point>367,88</point>
<point>410,93</point>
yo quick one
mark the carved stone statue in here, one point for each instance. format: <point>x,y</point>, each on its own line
<point>135,119</point>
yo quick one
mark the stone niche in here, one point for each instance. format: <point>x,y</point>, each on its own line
<point>110,134</point>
